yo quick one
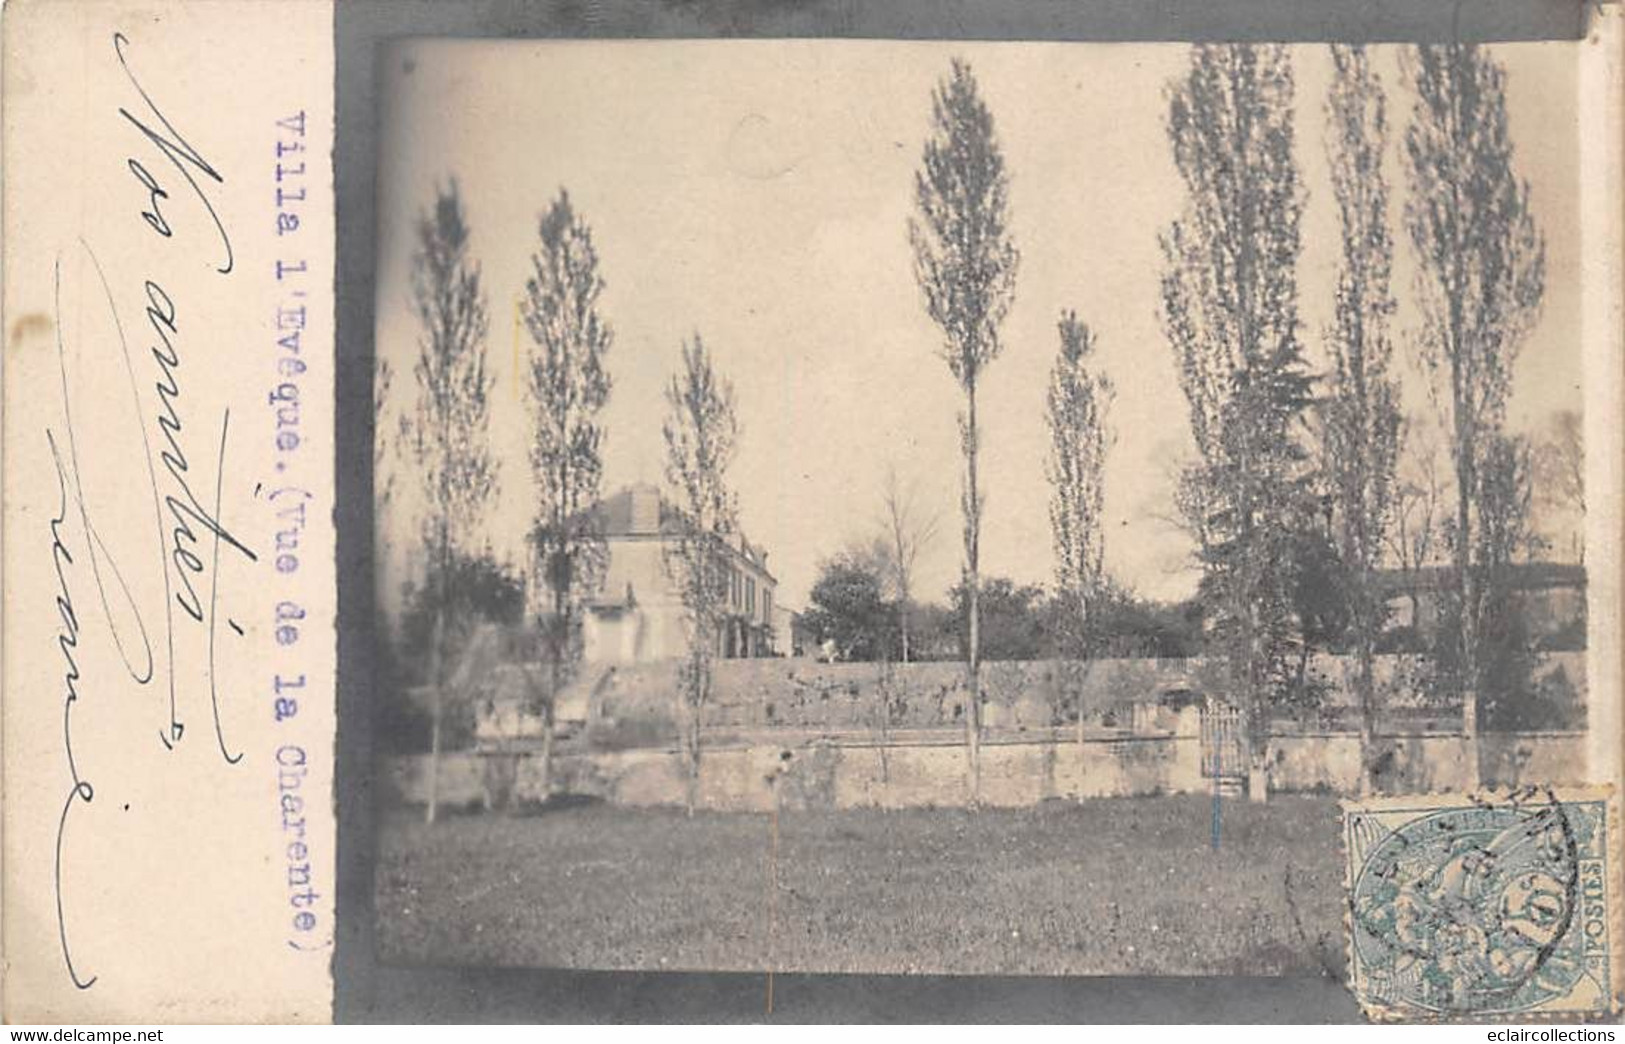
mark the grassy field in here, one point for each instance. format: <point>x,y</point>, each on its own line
<point>1113,886</point>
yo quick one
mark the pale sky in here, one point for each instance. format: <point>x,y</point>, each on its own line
<point>757,192</point>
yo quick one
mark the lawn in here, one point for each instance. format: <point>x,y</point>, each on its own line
<point>1111,886</point>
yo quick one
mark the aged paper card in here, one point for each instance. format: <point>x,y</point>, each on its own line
<point>885,504</point>
<point>169,641</point>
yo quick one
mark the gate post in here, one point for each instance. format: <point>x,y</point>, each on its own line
<point>1258,781</point>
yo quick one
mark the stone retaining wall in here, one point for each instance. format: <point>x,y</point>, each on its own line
<point>636,705</point>
<point>1015,772</point>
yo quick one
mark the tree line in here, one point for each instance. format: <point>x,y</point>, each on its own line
<point>1293,497</point>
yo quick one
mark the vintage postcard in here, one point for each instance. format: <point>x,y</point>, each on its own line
<point>766,509</point>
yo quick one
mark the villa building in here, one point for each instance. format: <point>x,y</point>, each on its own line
<point>638,614</point>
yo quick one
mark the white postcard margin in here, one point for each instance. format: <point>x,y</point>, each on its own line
<point>1602,325</point>
<point>169,640</point>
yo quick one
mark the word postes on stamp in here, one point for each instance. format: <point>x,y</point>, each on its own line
<point>1485,904</point>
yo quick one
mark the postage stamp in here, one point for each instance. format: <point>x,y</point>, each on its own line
<point>1499,903</point>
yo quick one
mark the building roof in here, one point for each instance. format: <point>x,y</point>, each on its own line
<point>1521,576</point>
<point>641,510</point>
<point>626,513</point>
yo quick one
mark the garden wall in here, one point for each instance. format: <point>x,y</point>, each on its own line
<point>636,705</point>
<point>825,774</point>
<point>1425,763</point>
<point>818,732</point>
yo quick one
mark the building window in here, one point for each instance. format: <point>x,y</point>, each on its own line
<point>750,596</point>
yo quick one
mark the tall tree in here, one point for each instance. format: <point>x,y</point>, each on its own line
<point>568,389</point>
<point>908,527</point>
<point>447,435</point>
<point>1230,312</point>
<point>701,433</point>
<point>1079,398</point>
<point>965,263</point>
<point>1480,280</point>
<point>1360,434</point>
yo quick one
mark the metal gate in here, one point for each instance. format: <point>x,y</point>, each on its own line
<point>1224,743</point>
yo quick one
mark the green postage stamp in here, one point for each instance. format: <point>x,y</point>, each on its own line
<point>1493,904</point>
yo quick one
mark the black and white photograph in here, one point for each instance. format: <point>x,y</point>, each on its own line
<point>982,508</point>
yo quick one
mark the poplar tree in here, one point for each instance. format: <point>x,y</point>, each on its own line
<point>701,432</point>
<point>1480,280</point>
<point>1361,409</point>
<point>1078,400</point>
<point>965,263</point>
<point>448,434</point>
<point>568,389</point>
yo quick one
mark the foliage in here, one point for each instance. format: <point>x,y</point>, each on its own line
<point>1321,581</point>
<point>701,433</point>
<point>1508,696</point>
<point>1124,625</point>
<point>475,590</point>
<point>1416,522</point>
<point>1506,478</point>
<point>1360,411</point>
<point>1022,622</point>
<point>1229,310</point>
<point>849,607</point>
<point>1013,620</point>
<point>384,448</point>
<point>1509,655</point>
<point>1561,462</point>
